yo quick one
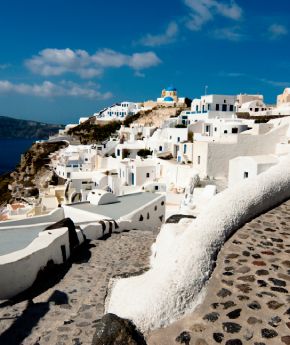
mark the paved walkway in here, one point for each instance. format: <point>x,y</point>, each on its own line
<point>65,313</point>
<point>248,296</point>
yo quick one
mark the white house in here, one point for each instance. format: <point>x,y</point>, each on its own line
<point>167,140</point>
<point>255,108</point>
<point>129,149</point>
<point>119,111</point>
<point>209,107</point>
<point>211,155</point>
<point>138,172</point>
<point>244,167</point>
<point>75,158</point>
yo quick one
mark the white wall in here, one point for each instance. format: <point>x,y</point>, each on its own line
<point>18,270</point>
<point>215,156</point>
<point>165,293</point>
<point>52,217</point>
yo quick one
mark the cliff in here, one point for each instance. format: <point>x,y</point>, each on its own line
<point>16,128</point>
<point>31,173</point>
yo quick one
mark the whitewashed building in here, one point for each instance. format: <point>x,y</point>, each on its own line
<point>244,167</point>
<point>209,107</point>
<point>119,111</point>
<point>75,158</point>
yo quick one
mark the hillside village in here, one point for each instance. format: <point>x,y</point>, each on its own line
<point>144,166</point>
<point>162,146</point>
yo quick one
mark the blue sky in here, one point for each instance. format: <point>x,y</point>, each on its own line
<point>62,59</point>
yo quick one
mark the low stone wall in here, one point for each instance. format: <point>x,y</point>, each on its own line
<point>184,255</point>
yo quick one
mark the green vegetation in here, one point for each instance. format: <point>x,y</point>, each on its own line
<point>15,128</point>
<point>89,133</point>
<point>130,119</point>
<point>190,137</point>
<point>144,153</point>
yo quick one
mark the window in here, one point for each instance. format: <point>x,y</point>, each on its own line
<point>256,110</point>
<point>225,131</point>
<point>231,107</point>
<point>225,101</point>
<point>184,148</point>
<point>224,107</point>
<point>147,175</point>
<point>118,152</point>
<point>208,107</point>
<point>234,130</point>
<point>207,128</point>
<point>156,188</point>
<point>198,159</point>
<point>246,174</point>
<point>178,139</point>
<point>215,129</point>
<point>160,148</point>
<point>217,107</point>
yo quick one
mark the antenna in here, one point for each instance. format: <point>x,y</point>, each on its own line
<point>205,90</point>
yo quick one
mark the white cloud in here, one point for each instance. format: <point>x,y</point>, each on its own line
<point>275,83</point>
<point>229,33</point>
<point>203,11</point>
<point>49,89</point>
<point>167,37</point>
<point>231,74</point>
<point>55,62</point>
<point>4,66</point>
<point>276,31</point>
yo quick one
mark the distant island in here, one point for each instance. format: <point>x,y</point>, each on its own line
<point>11,128</point>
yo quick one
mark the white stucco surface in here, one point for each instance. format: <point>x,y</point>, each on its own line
<point>18,270</point>
<point>183,256</point>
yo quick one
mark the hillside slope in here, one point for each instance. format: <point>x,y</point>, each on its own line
<point>11,128</point>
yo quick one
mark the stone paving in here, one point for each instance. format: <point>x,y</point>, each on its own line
<point>247,300</point>
<point>66,312</point>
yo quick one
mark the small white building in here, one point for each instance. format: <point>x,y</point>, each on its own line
<point>255,108</point>
<point>167,140</point>
<point>129,149</point>
<point>119,111</point>
<point>138,172</point>
<point>211,155</point>
<point>209,107</point>
<point>244,167</point>
<point>75,158</point>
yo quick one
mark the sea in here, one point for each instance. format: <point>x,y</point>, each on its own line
<point>10,152</point>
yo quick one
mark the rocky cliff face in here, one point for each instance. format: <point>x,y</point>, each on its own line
<point>31,173</point>
<point>157,116</point>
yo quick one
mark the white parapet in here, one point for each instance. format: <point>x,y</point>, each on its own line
<point>184,255</point>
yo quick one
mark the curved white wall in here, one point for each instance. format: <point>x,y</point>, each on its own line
<point>18,270</point>
<point>183,256</point>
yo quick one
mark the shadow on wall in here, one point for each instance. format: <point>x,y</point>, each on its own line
<point>30,317</point>
<point>51,275</point>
